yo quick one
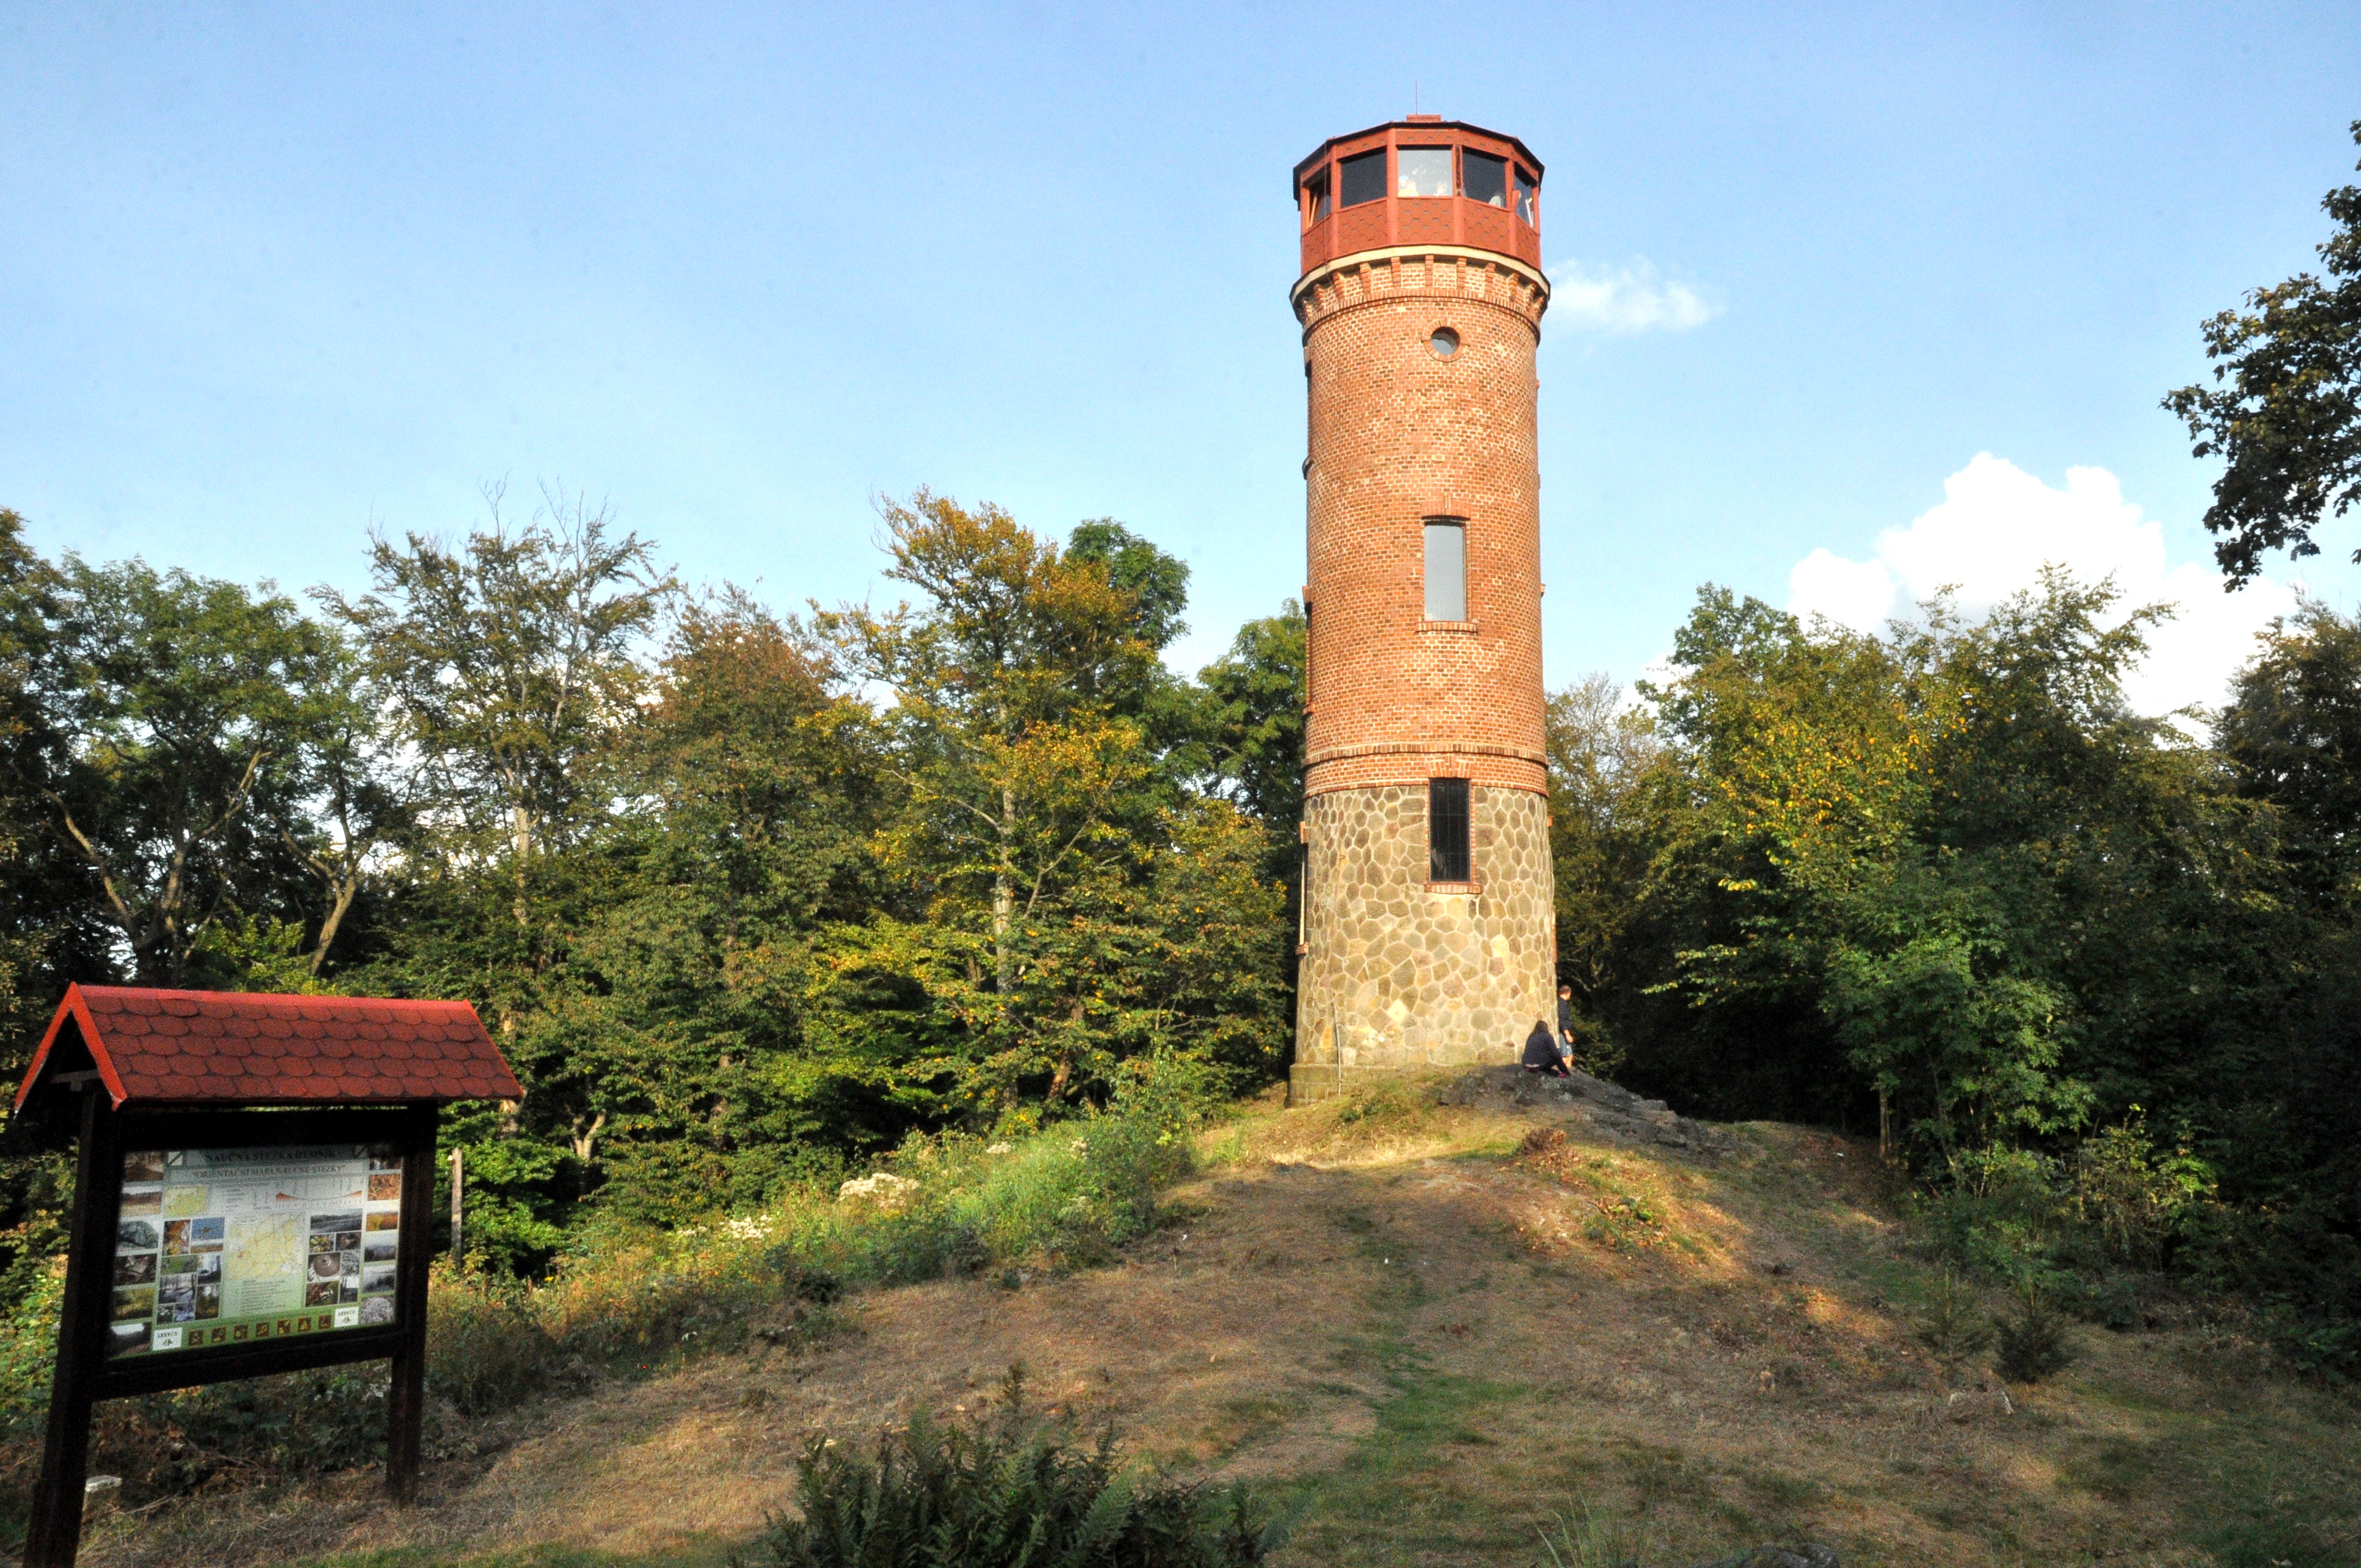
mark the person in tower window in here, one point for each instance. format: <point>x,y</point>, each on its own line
<point>1541,1053</point>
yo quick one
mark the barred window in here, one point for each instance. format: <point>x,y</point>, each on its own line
<point>1446,831</point>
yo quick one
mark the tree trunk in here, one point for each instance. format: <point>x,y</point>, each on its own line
<point>1004,892</point>
<point>587,1139</point>
<point>521,835</point>
<point>1065,1069</point>
<point>344,892</point>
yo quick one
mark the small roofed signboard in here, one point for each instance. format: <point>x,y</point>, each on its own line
<point>253,1195</point>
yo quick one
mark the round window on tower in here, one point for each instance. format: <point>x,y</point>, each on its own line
<point>1444,343</point>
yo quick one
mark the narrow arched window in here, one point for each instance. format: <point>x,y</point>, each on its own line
<point>1447,569</point>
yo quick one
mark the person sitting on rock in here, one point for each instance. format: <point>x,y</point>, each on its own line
<point>1541,1052</point>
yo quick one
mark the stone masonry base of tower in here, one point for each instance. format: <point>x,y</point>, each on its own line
<point>1402,975</point>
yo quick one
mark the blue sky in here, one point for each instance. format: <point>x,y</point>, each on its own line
<point>269,275</point>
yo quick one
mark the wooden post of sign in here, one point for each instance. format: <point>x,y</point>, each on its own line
<point>458,1180</point>
<point>54,1532</point>
<point>406,1393</point>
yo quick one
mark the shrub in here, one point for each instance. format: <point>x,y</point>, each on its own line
<point>2033,1345</point>
<point>486,1349</point>
<point>1952,1329</point>
<point>2131,1198</point>
<point>994,1494</point>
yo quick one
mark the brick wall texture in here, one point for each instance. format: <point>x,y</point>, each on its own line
<point>1396,974</point>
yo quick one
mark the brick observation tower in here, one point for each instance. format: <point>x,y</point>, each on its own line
<point>1428,932</point>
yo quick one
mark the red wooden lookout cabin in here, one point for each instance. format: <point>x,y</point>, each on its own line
<point>1422,182</point>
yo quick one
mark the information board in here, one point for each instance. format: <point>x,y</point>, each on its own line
<point>227,1246</point>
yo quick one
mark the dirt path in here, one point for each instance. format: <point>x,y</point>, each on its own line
<point>1423,1344</point>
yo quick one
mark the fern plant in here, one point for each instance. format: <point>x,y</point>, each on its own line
<point>1004,1492</point>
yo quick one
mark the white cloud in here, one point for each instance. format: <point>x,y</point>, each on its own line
<point>1996,527</point>
<point>1633,297</point>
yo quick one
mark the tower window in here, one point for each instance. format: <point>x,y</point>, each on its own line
<point>1446,831</point>
<point>1424,172</point>
<point>1485,178</point>
<point>1444,343</point>
<point>1526,191</point>
<point>1447,569</point>
<point>1316,199</point>
<point>1361,179</point>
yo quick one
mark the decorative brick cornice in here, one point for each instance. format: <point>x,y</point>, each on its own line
<point>1421,271</point>
<point>1423,748</point>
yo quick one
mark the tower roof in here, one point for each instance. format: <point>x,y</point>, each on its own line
<point>1411,122</point>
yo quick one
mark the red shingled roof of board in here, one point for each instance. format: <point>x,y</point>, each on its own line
<point>213,1048</point>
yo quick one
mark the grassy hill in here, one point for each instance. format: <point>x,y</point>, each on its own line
<point>1435,1336</point>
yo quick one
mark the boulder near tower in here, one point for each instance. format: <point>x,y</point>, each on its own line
<point>1427,931</point>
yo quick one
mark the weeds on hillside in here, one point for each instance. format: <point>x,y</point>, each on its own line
<point>1586,1538</point>
<point>1389,1101</point>
<point>625,1300</point>
<point>1003,1491</point>
<point>1624,1212</point>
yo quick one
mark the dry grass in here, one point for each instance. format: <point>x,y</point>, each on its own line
<point>1426,1337</point>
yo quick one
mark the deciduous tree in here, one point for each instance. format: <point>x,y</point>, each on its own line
<point>189,708</point>
<point>2285,411</point>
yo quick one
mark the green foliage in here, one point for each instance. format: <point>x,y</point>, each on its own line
<point>745,907</point>
<point>1001,1491</point>
<point>1157,584</point>
<point>1057,1200</point>
<point>508,667</point>
<point>2033,1344</point>
<point>1603,758</point>
<point>1388,1103</point>
<point>1843,847</point>
<point>1253,725</point>
<point>185,707</point>
<point>1944,882</point>
<point>1952,1329</point>
<point>2285,415</point>
<point>623,1297</point>
<point>28,1352</point>
<point>2134,1199</point>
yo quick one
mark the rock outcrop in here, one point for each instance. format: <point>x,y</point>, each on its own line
<point>1598,1105</point>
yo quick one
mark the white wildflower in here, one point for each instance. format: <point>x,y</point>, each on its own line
<point>886,1191</point>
